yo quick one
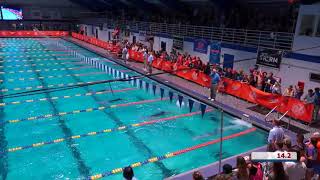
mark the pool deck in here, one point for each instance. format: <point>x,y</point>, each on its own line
<point>229,104</point>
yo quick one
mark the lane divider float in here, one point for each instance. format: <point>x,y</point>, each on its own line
<point>50,77</point>
<point>30,65</point>
<point>41,87</point>
<point>65,97</point>
<point>172,154</point>
<point>104,131</point>
<point>39,59</point>
<point>100,108</point>
<point>33,55</point>
<point>44,70</point>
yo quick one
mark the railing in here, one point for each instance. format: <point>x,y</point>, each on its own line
<point>245,37</point>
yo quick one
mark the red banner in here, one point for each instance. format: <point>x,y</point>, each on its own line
<point>92,40</point>
<point>33,33</point>
<point>296,108</point>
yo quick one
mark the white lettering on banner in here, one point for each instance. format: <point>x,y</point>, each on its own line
<point>175,67</point>
<point>266,58</point>
<point>274,101</point>
<point>298,109</point>
<point>235,87</point>
<point>205,79</point>
<point>252,95</point>
<point>194,75</point>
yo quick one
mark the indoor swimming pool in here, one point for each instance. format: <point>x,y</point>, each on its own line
<point>78,132</point>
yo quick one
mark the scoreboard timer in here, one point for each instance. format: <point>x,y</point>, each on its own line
<point>273,156</point>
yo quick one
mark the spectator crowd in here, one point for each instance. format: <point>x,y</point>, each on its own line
<point>306,166</point>
<point>257,78</point>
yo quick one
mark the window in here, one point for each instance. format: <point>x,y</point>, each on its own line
<point>307,24</point>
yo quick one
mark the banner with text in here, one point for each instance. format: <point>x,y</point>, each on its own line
<point>200,45</point>
<point>215,51</point>
<point>269,57</point>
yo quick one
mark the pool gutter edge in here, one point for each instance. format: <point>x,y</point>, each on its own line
<point>260,123</point>
<point>212,169</point>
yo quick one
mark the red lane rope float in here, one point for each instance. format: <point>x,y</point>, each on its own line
<point>172,154</point>
<point>104,131</point>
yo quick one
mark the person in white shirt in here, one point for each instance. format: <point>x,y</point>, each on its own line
<point>145,58</point>
<point>296,170</point>
<point>150,60</point>
<point>124,54</point>
<point>276,134</point>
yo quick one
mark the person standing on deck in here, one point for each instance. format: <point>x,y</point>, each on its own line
<point>150,60</point>
<point>215,79</point>
<point>276,134</point>
<point>316,105</point>
<point>124,54</point>
<point>145,58</point>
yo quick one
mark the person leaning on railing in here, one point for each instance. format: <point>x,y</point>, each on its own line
<point>316,104</point>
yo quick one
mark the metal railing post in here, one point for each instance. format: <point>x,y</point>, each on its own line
<point>275,40</point>
<point>245,37</point>
<point>259,39</point>
<point>233,35</point>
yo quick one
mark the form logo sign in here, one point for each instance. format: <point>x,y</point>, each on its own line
<point>269,57</point>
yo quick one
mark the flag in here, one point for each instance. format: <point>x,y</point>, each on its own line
<point>154,87</point>
<point>161,92</point>
<point>203,109</point>
<point>180,98</point>
<point>191,102</point>
<point>170,95</point>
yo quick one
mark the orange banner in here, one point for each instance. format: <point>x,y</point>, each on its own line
<point>33,33</point>
<point>296,108</point>
<point>97,42</point>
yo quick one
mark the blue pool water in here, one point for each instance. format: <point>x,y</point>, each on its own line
<point>31,64</point>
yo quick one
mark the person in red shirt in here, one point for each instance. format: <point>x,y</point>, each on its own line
<point>199,63</point>
<point>180,59</point>
<point>188,61</point>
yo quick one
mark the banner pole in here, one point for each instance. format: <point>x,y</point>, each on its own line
<point>221,137</point>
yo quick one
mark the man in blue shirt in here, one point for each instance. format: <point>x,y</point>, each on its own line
<point>215,79</point>
<point>316,105</point>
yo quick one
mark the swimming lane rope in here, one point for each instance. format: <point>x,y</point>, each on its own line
<point>104,131</point>
<point>171,155</point>
<point>61,87</point>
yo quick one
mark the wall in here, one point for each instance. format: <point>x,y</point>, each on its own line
<point>302,41</point>
<point>291,70</point>
<point>138,39</point>
<point>188,47</point>
<point>310,44</point>
<point>157,43</point>
<point>102,34</point>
